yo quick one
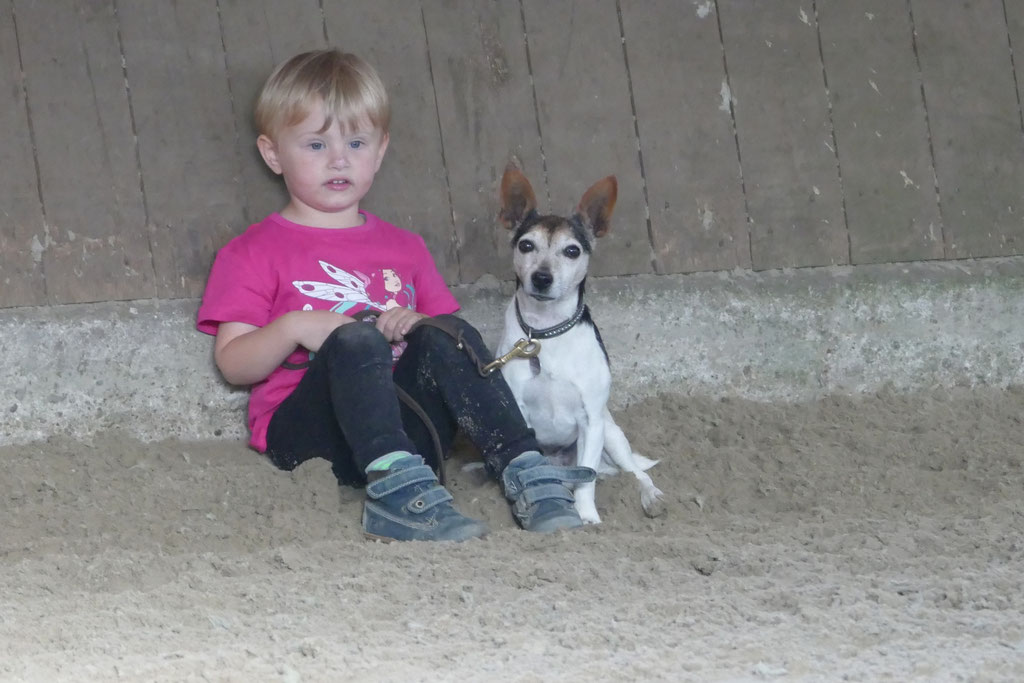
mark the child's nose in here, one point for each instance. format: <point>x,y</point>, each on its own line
<point>339,159</point>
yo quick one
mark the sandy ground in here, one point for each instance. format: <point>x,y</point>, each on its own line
<point>875,538</point>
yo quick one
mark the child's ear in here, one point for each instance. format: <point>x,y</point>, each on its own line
<point>384,140</point>
<point>268,150</point>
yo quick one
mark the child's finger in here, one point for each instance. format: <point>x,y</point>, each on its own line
<point>384,327</point>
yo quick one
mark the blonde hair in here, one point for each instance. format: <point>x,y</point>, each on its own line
<point>348,88</point>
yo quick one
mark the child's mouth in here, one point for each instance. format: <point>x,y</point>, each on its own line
<point>337,184</point>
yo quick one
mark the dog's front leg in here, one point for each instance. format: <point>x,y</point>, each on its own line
<point>588,454</point>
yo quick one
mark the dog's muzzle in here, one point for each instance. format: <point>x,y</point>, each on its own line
<point>541,280</point>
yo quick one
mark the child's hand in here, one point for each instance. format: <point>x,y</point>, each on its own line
<point>395,323</point>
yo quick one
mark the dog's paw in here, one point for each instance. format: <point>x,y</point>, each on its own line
<point>587,511</point>
<point>653,502</point>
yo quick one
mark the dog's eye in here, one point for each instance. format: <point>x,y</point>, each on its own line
<point>572,251</point>
<point>526,246</point>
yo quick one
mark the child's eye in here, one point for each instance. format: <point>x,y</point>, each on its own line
<point>316,146</point>
<point>356,144</point>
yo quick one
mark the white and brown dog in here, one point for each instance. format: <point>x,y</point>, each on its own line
<point>563,390</point>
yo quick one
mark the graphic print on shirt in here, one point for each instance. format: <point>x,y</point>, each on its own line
<point>397,295</point>
<point>353,292</point>
<point>350,290</point>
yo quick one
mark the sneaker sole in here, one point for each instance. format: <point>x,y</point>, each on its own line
<point>388,539</point>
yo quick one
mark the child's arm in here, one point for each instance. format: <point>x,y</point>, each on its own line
<point>246,354</point>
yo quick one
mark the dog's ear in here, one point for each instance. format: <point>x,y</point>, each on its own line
<point>517,198</point>
<point>597,205</point>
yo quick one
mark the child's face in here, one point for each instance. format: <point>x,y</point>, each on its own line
<point>327,172</point>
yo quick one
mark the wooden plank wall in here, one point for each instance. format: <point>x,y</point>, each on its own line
<point>743,134</point>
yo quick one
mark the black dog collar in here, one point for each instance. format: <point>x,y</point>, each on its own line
<point>549,332</point>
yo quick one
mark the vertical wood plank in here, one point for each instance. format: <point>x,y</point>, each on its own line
<point>258,35</point>
<point>186,135</point>
<point>698,217</point>
<point>1015,27</point>
<point>98,248</point>
<point>22,230</point>
<point>586,121</point>
<point>881,133</point>
<point>785,137</point>
<point>485,105</point>
<point>975,122</point>
<point>411,189</point>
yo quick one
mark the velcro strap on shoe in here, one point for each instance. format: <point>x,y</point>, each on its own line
<point>399,480</point>
<point>535,494</point>
<point>555,473</point>
<point>428,499</point>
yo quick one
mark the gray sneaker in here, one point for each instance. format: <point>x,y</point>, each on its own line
<point>539,492</point>
<point>409,504</point>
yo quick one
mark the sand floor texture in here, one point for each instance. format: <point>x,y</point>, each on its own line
<point>870,538</point>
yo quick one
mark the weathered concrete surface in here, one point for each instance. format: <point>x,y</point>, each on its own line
<point>780,335</point>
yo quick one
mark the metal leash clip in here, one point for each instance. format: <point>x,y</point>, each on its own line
<point>521,349</point>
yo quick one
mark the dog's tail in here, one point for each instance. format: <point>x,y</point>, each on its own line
<point>608,466</point>
<point>644,462</point>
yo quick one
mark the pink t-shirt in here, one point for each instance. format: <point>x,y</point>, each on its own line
<point>277,266</point>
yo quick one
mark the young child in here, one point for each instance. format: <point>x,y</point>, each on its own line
<point>282,300</point>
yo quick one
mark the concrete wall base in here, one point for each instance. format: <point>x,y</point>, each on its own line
<point>786,335</point>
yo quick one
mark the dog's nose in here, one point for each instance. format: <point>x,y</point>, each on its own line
<point>541,280</point>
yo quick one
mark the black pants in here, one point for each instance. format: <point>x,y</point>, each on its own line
<point>347,411</point>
